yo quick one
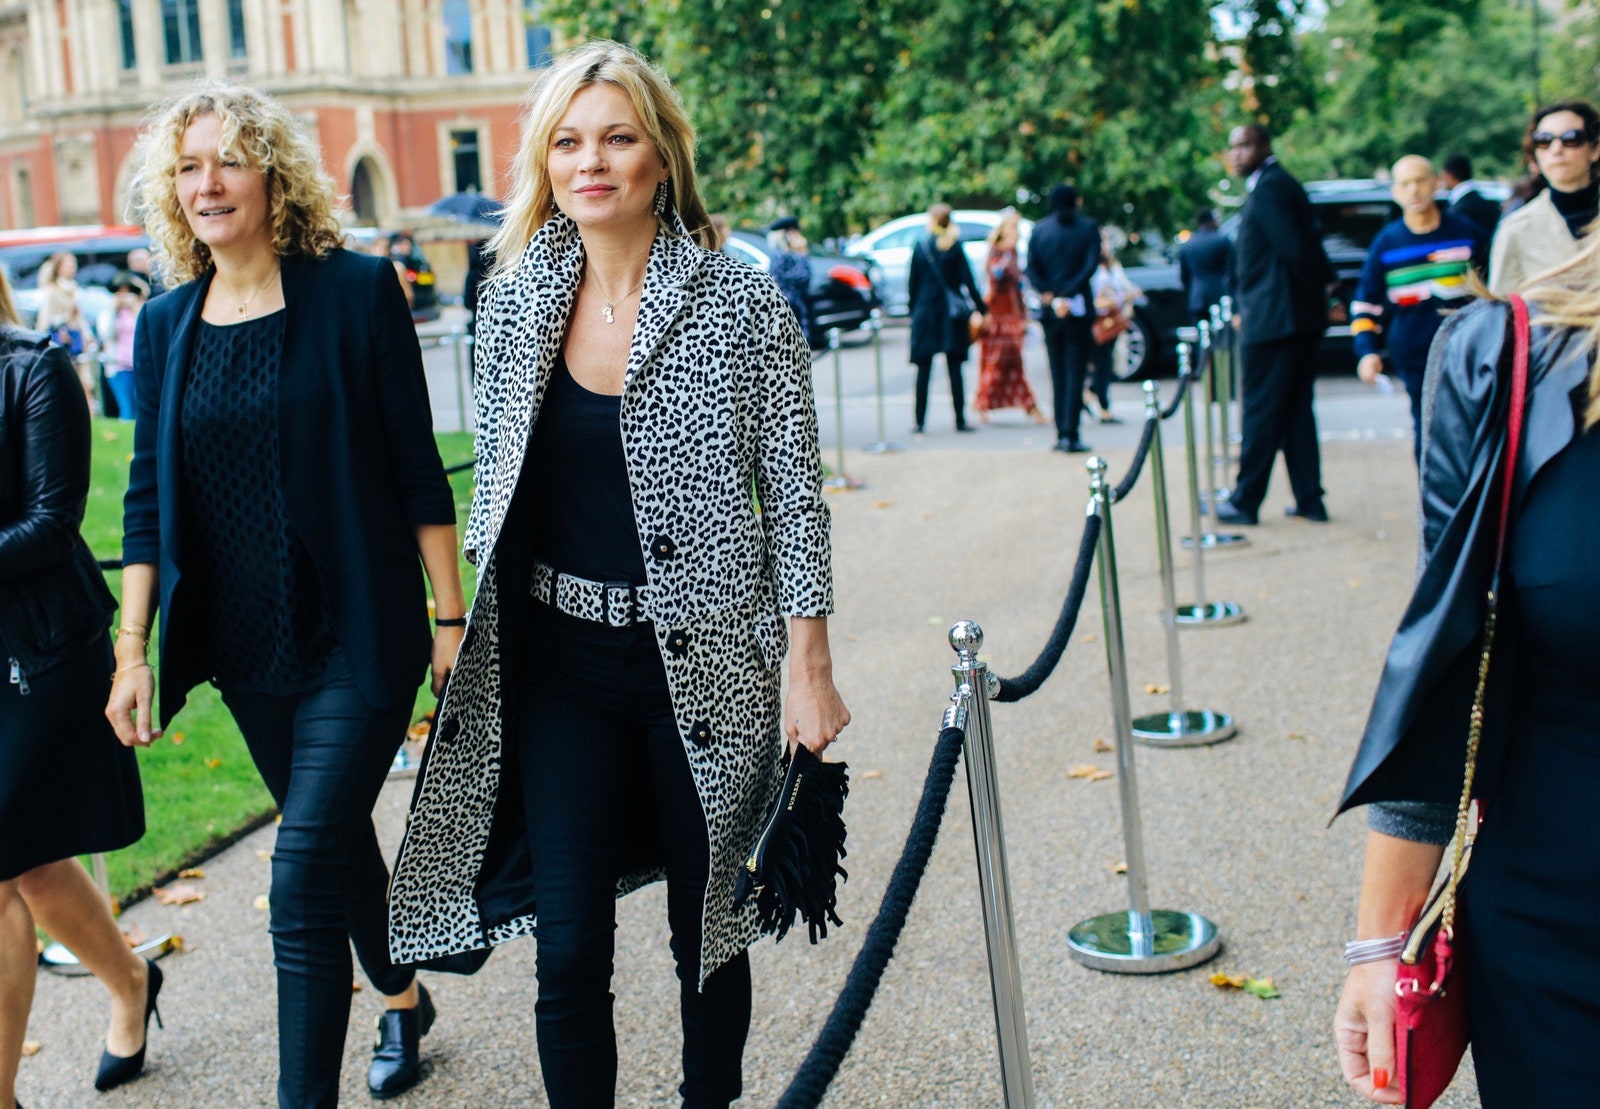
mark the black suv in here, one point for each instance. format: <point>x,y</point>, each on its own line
<point>1351,214</point>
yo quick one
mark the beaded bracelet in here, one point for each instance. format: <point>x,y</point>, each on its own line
<point>1357,952</point>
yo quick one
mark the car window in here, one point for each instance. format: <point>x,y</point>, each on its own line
<point>744,252</point>
<point>903,237</point>
<point>973,232</point>
<point>1352,226</point>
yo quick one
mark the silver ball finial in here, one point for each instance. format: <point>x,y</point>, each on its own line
<point>966,637</point>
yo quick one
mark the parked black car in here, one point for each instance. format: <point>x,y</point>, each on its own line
<point>1351,214</point>
<point>843,290</point>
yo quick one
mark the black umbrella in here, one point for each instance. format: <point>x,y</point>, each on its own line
<point>468,208</point>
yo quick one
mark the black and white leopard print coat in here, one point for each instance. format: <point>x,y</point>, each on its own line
<point>717,401</point>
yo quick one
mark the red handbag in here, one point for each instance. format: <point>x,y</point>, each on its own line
<point>1430,1023</point>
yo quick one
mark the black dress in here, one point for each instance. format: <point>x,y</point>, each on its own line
<point>1532,896</point>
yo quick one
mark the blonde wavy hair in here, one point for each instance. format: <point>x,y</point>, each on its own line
<point>1569,296</point>
<point>263,135</point>
<point>661,113</point>
<point>8,307</point>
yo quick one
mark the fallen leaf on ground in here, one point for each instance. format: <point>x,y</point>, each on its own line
<point>871,775</point>
<point>1101,747</point>
<point>176,944</point>
<point>192,872</point>
<point>1295,735</point>
<point>1086,637</point>
<point>213,763</point>
<point>1119,868</point>
<point>882,504</point>
<point>1258,987</point>
<point>179,895</point>
<point>1355,583</point>
<point>109,436</point>
<point>264,856</point>
<point>261,904</point>
<point>116,906</point>
<point>1152,687</point>
<point>1088,772</point>
<point>355,986</point>
<point>135,936</point>
<point>30,1048</point>
<point>177,739</point>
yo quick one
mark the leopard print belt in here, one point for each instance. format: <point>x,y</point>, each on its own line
<point>616,604</point>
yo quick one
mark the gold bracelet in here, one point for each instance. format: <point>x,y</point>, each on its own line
<point>129,669</point>
<point>135,629</point>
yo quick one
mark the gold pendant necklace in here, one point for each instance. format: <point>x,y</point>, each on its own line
<point>244,305</point>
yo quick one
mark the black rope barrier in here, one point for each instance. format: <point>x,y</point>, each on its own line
<point>1137,465</point>
<point>1024,684</point>
<point>1177,398</point>
<point>838,1033</point>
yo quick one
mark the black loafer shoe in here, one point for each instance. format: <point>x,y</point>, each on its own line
<point>1316,515</point>
<point>1227,513</point>
<point>1077,446</point>
<point>397,1057</point>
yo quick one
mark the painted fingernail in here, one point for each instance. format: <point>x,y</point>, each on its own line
<point>1380,1078</point>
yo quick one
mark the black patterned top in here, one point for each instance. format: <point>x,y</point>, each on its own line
<point>252,582</point>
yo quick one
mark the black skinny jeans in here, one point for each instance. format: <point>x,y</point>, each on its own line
<point>958,390</point>
<point>324,756</point>
<point>603,771</point>
<point>1066,342</point>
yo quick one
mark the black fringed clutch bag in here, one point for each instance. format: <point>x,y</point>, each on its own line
<point>794,865</point>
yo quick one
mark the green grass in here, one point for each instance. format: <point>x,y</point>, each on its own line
<point>200,787</point>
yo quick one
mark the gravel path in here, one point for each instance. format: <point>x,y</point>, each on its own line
<point>1237,831</point>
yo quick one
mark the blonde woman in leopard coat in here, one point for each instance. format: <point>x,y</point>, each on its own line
<point>650,537</point>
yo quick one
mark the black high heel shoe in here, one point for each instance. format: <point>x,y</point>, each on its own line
<point>397,1056</point>
<point>117,1069</point>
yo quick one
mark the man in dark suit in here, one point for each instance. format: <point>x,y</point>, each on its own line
<point>1063,254</point>
<point>1280,278</point>
<point>1203,264</point>
<point>1465,199</point>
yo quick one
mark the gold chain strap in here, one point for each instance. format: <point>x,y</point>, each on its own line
<point>1463,838</point>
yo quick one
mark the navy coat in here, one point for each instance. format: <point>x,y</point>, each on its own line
<point>933,329</point>
<point>360,469</point>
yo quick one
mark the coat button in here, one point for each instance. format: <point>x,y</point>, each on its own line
<point>663,547</point>
<point>677,643</point>
<point>700,732</point>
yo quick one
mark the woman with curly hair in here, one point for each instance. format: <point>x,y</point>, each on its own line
<point>284,482</point>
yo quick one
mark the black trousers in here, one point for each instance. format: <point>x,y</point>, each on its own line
<point>324,756</point>
<point>1412,376</point>
<point>958,389</point>
<point>1100,355</point>
<point>604,777</point>
<point>1278,416</point>
<point>1066,343</point>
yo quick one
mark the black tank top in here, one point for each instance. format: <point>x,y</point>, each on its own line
<point>582,520</point>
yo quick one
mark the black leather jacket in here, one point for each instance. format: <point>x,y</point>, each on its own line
<point>53,598</point>
<point>1414,745</point>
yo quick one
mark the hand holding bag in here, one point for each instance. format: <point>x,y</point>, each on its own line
<point>1430,1022</point>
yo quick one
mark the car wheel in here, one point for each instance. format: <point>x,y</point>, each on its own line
<point>1134,352</point>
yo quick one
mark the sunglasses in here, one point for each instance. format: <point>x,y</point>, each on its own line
<point>1571,139</point>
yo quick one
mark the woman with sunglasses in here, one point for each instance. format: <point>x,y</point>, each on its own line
<point>1563,143</point>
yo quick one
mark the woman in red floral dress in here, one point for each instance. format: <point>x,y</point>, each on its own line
<point>1001,383</point>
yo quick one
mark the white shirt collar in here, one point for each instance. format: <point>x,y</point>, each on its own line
<point>1250,182</point>
<point>1462,190</point>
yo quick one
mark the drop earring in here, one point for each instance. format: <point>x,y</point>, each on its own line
<point>661,198</point>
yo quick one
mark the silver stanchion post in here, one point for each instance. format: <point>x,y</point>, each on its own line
<point>458,336</point>
<point>882,445</point>
<point>1235,363</point>
<point>1200,614</point>
<point>1222,372</point>
<point>1141,940</point>
<point>1180,727</point>
<point>1195,370</point>
<point>840,479</point>
<point>973,685</point>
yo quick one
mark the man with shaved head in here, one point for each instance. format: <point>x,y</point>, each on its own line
<point>1415,274</point>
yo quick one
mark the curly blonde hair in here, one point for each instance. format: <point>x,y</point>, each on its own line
<point>661,113</point>
<point>263,135</point>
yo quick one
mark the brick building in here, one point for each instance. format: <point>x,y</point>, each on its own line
<point>410,100</point>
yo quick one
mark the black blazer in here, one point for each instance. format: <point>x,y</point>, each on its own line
<point>1062,258</point>
<point>1203,264</point>
<point>1280,271</point>
<point>1480,210</point>
<point>360,468</point>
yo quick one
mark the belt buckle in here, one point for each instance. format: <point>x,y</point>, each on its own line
<point>632,611</point>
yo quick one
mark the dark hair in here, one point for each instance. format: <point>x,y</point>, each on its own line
<point>1458,166</point>
<point>1064,202</point>
<point>1262,133</point>
<point>1205,218</point>
<point>1580,108</point>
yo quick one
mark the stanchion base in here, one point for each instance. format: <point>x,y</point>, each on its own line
<point>1215,614</point>
<point>1194,728</point>
<point>57,959</point>
<point>842,483</point>
<point>1181,940</point>
<point>882,448</point>
<point>1217,541</point>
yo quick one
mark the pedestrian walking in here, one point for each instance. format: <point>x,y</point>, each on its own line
<point>946,310</point>
<point>1563,143</point>
<point>650,533</point>
<point>1465,199</point>
<point>68,787</point>
<point>1204,262</point>
<point>1115,295</point>
<point>791,268</point>
<point>1528,978</point>
<point>284,483</point>
<point>1281,277</point>
<point>1416,272</point>
<point>61,315</point>
<point>1001,381</point>
<point>115,330</point>
<point>1063,253</point>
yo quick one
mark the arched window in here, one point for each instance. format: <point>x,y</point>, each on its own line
<point>457,37</point>
<point>363,193</point>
